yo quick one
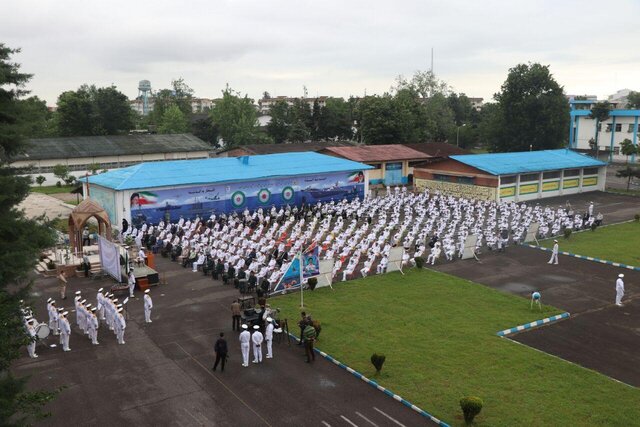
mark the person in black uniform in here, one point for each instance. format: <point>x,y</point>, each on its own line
<point>220,348</point>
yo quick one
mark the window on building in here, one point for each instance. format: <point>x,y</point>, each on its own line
<point>609,127</point>
<point>443,178</point>
<point>590,171</point>
<point>375,165</point>
<point>630,129</point>
<point>572,172</point>
<point>529,177</point>
<point>508,179</point>
<point>618,127</point>
<point>466,180</point>
<point>551,175</point>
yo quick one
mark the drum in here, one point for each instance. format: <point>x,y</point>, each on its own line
<point>42,331</point>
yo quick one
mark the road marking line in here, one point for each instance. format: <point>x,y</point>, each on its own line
<point>366,419</point>
<point>326,424</point>
<point>348,420</point>
<point>390,417</point>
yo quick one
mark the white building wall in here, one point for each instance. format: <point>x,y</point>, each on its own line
<point>585,131</point>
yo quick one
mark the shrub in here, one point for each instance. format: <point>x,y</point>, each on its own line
<point>593,227</point>
<point>637,217</point>
<point>419,262</point>
<point>58,184</point>
<point>378,360</point>
<point>471,406</point>
<point>51,265</point>
<point>312,283</point>
<point>567,232</point>
<point>40,180</point>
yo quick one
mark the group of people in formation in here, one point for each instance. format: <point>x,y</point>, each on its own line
<point>88,317</point>
<point>357,234</point>
<point>255,339</point>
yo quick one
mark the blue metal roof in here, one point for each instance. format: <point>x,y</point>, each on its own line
<point>528,161</point>
<point>222,169</point>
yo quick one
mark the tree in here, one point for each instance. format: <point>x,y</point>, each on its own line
<point>301,124</point>
<point>38,122</point>
<point>377,120</point>
<point>600,113</point>
<point>424,83</point>
<point>61,171</point>
<point>21,240</point>
<point>92,111</point>
<point>532,110</point>
<point>235,117</point>
<point>93,168</point>
<point>627,148</point>
<point>278,126</point>
<point>633,100</point>
<point>204,128</point>
<point>629,173</point>
<point>40,180</point>
<point>336,121</point>
<point>173,121</point>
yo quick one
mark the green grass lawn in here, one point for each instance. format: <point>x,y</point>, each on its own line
<point>438,333</point>
<point>618,243</point>
<point>52,189</point>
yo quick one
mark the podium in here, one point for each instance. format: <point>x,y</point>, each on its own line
<point>151,260</point>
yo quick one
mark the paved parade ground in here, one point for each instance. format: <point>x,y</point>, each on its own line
<point>162,375</point>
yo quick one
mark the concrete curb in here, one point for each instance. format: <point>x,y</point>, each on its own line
<point>533,324</point>
<point>377,386</point>
<point>588,258</point>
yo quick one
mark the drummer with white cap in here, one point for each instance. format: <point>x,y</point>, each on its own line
<point>245,339</point>
<point>619,289</point>
<point>31,329</point>
<point>65,331</point>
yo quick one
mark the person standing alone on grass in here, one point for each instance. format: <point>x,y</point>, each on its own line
<point>619,290</point>
<point>221,350</point>
<point>554,253</point>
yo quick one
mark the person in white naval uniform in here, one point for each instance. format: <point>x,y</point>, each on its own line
<point>268,337</point>
<point>245,339</point>
<point>554,253</point>
<point>148,305</point>
<point>619,290</point>
<point>257,338</point>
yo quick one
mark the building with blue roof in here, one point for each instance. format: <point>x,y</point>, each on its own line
<point>154,191</point>
<point>515,176</point>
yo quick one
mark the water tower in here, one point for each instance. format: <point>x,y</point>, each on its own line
<point>144,92</point>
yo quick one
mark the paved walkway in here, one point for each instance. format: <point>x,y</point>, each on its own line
<point>37,204</point>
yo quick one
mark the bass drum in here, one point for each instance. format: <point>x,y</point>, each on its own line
<point>42,331</point>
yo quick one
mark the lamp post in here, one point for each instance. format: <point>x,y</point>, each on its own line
<point>458,134</point>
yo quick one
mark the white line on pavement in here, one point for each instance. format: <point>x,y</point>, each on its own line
<point>326,424</point>
<point>366,419</point>
<point>390,417</point>
<point>348,420</point>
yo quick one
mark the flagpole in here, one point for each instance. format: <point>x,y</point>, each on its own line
<point>301,284</point>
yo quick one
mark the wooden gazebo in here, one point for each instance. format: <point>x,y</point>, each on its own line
<point>80,215</point>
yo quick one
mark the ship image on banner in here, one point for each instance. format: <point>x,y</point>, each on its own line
<point>170,204</point>
<point>310,267</point>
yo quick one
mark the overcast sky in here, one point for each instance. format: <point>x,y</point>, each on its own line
<point>337,48</point>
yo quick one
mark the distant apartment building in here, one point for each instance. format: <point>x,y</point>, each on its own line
<point>622,124</point>
<point>265,104</point>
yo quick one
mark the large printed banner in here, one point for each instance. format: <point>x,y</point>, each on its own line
<point>204,200</point>
<point>291,278</point>
<point>109,258</point>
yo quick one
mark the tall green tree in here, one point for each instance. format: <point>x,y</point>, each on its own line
<point>336,120</point>
<point>377,120</point>
<point>627,148</point>
<point>38,122</point>
<point>301,128</point>
<point>533,111</point>
<point>91,111</point>
<point>204,128</point>
<point>173,121</point>
<point>236,119</point>
<point>21,240</point>
<point>424,83</point>
<point>600,113</point>
<point>633,100</point>
<point>278,126</point>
